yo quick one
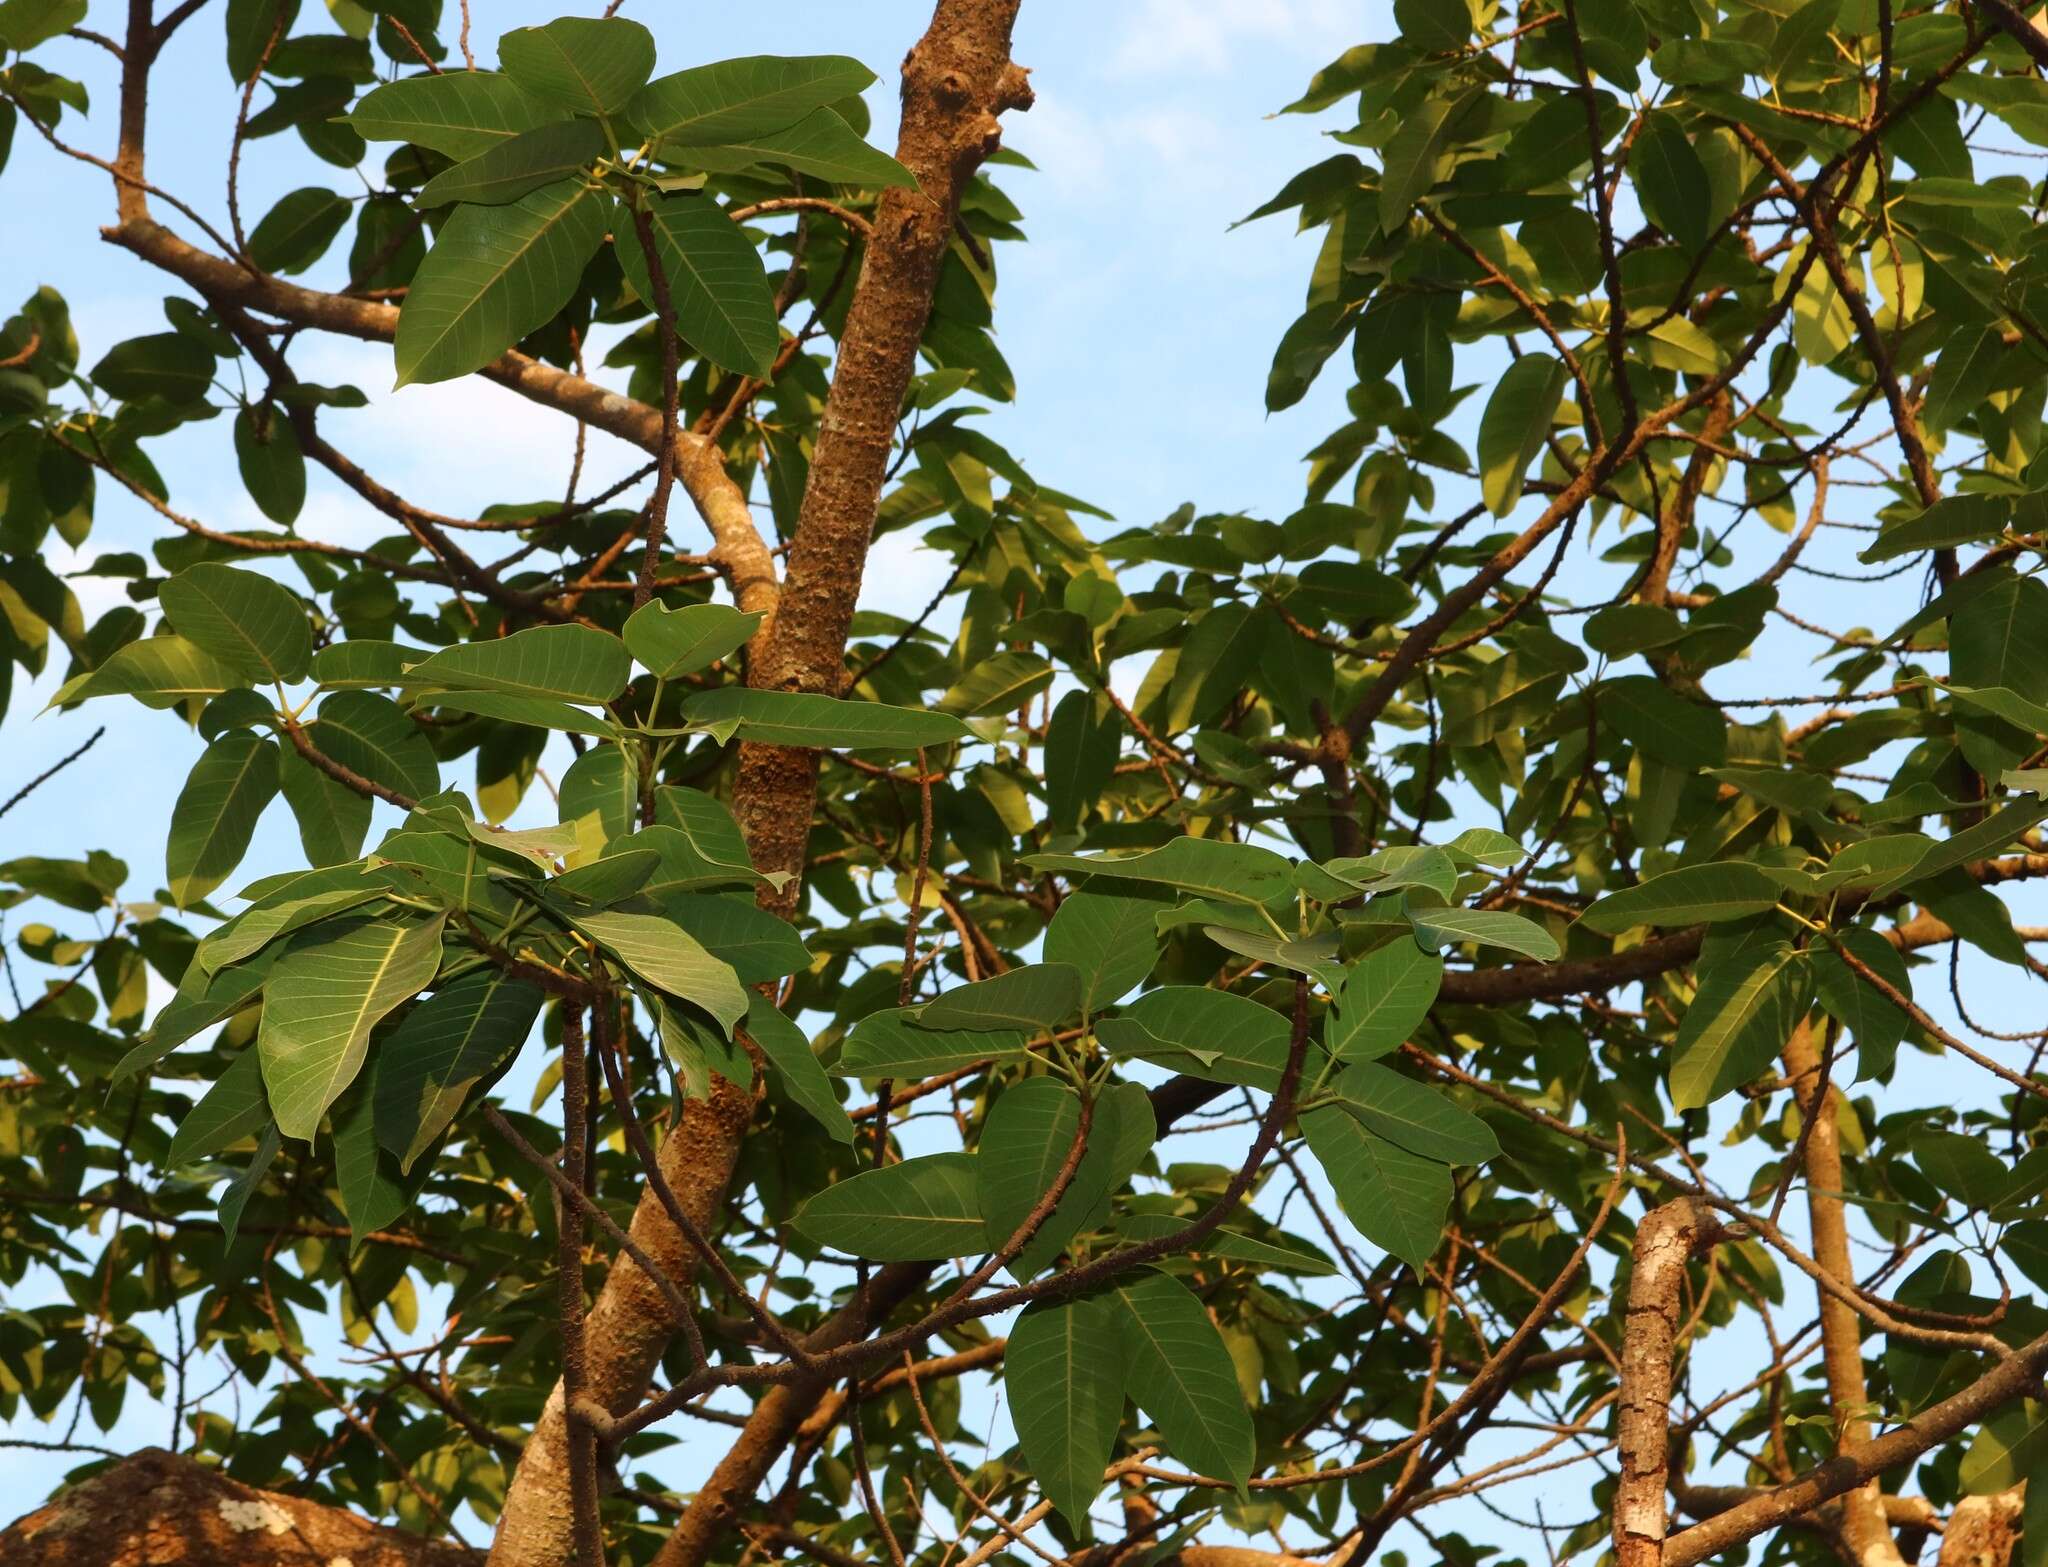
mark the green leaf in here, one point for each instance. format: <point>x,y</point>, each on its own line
<point>254,929</point>
<point>1316,956</point>
<point>332,817</point>
<point>1671,182</point>
<point>537,712</point>
<point>509,169</point>
<point>1112,940</point>
<point>1952,520</point>
<point>295,234</point>
<point>1211,1034</point>
<point>921,1210</point>
<point>1434,26</point>
<point>1964,374</point>
<point>1660,723</point>
<point>1001,684</point>
<point>1025,1142</point>
<point>1690,895</point>
<point>699,842</point>
<point>796,719</point>
<point>460,113</point>
<point>2002,639</point>
<point>234,779</point>
<point>670,959</point>
<point>1080,756</point>
<point>1396,1198</point>
<point>235,1196</point>
<point>717,287</point>
<point>1386,995</point>
<point>242,619</point>
<point>1960,1167</point>
<point>673,642</point>
<point>1997,831</point>
<point>1516,423</point>
<point>374,1193</point>
<point>1404,865</point>
<point>1438,928</point>
<point>820,144</point>
<point>593,65</point>
<point>889,1044</point>
<point>1739,1020</point>
<point>169,365</point>
<point>803,1079</point>
<point>1421,138</point>
<point>27,23</point>
<point>273,469</point>
<point>1236,872</point>
<point>1222,649</point>
<point>494,275</point>
<point>1034,998</point>
<point>370,735</point>
<point>1414,1115</point>
<point>322,1000</point>
<point>445,1046</point>
<point>232,1109</point>
<point>759,946</point>
<point>1178,1372</point>
<point>570,662</point>
<point>738,100</point>
<point>2008,1448</point>
<point>1872,1021</point>
<point>1063,1377</point>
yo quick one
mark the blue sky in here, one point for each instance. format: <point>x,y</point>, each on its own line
<point>1139,326</point>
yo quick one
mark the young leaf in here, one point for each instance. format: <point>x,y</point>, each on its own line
<point>569,662</point>
<point>1178,1372</point>
<point>240,618</point>
<point>494,275</point>
<point>1514,426</point>
<point>1063,1376</point>
<point>322,1000</point>
<point>717,287</point>
<point>921,1210</point>
<point>216,812</point>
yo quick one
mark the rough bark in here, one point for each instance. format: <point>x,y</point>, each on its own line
<point>160,1510</point>
<point>1864,1529</point>
<point>1665,1241</point>
<point>956,80</point>
<point>1984,1531</point>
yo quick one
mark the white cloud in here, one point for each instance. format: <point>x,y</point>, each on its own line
<point>1164,36</point>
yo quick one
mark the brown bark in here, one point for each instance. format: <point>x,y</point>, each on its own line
<point>1984,1531</point>
<point>956,80</point>
<point>1864,1530</point>
<point>160,1510</point>
<point>1666,1241</point>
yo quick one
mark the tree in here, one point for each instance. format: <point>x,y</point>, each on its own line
<point>1537,950</point>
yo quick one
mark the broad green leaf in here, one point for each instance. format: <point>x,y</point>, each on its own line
<point>759,946</point>
<point>717,287</point>
<point>1952,520</point>
<point>1434,26</point>
<point>1671,182</point>
<point>494,275</point>
<point>1439,928</point>
<point>371,736</point>
<point>536,712</point>
<point>1396,1198</point>
<point>1872,1021</point>
<point>1025,1143</point>
<point>509,169</point>
<point>1293,1257</point>
<point>569,662</point>
<point>1110,938</point>
<point>1961,1167</point>
<point>1236,872</point>
<point>820,144</point>
<point>1001,684</point>
<point>1738,1021</point>
<point>374,1192</point>
<point>249,25</point>
<point>169,365</point>
<point>26,23</point>
<point>442,1049</point>
<point>1222,649</point>
<point>1404,865</point>
<point>672,642</point>
<point>1690,895</point>
<point>610,878</point>
<point>699,843</point>
<point>200,1003</point>
<point>803,1079</point>
<point>1513,428</point>
<point>215,816</point>
<point>1996,832</point>
<point>889,1044</point>
<point>921,1210</point>
<point>698,1050</point>
<point>1063,1378</point>
<point>1386,995</point>
<point>1178,1372</point>
<point>254,929</point>
<point>2008,1448</point>
<point>240,618</point>
<point>460,113</point>
<point>332,817</point>
<point>234,1197</point>
<point>795,718</point>
<point>273,469</point>
<point>1964,374</point>
<point>669,958</point>
<point>1422,137</point>
<point>1662,724</point>
<point>736,100</point>
<point>1034,998</point>
<point>2002,640</point>
<point>362,662</point>
<point>593,65</point>
<point>1414,1115</point>
<point>322,1000</point>
<point>232,1109</point>
<point>1316,956</point>
<point>1081,748</point>
<point>1205,1033</point>
<point>293,235</point>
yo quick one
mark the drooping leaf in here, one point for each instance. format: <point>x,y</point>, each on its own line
<point>444,1046</point>
<point>232,1109</point>
<point>717,287</point>
<point>669,958</point>
<point>1513,428</point>
<point>1396,1198</point>
<point>1875,1025</point>
<point>1178,1372</point>
<point>215,814</point>
<point>789,1053</point>
<point>273,468</point>
<point>1063,1378</point>
<point>1675,190</point>
<point>759,946</point>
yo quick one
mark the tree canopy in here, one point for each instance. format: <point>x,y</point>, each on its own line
<point>1593,1022</point>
